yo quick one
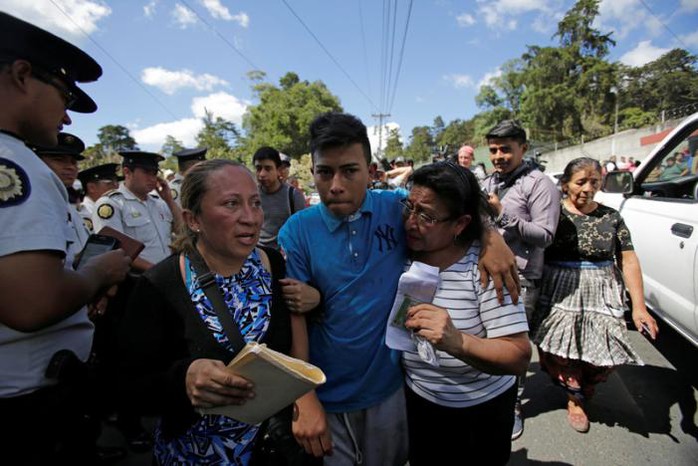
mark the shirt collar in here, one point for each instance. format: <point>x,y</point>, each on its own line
<point>332,222</point>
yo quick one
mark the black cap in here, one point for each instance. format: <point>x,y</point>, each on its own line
<point>507,129</point>
<point>137,158</point>
<point>50,53</point>
<point>68,144</point>
<point>105,171</point>
<point>185,155</point>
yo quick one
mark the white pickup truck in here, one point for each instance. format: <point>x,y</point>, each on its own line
<point>659,203</point>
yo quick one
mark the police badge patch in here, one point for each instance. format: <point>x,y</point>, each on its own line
<point>14,184</point>
<point>105,211</point>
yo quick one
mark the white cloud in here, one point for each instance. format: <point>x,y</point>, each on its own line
<point>170,82</point>
<point>218,11</point>
<point>644,53</point>
<point>623,16</point>
<point>489,76</point>
<point>689,5</point>
<point>503,13</point>
<point>183,16</point>
<point>459,81</point>
<point>220,104</point>
<point>83,16</point>
<point>149,9</point>
<point>373,135</point>
<point>184,130</point>
<point>465,20</point>
<point>691,39</point>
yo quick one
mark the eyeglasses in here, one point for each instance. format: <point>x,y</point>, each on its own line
<point>69,97</point>
<point>422,218</point>
<point>502,149</point>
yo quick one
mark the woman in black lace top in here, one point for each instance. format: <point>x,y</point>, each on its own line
<point>578,325</point>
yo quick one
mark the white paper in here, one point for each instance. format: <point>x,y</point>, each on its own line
<point>417,285</point>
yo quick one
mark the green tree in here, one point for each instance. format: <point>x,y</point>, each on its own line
<point>456,133</point>
<point>283,115</point>
<point>437,127</point>
<point>171,145</point>
<point>421,144</point>
<point>218,135</point>
<point>393,145</point>
<point>116,138</point>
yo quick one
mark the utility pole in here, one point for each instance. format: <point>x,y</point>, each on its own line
<point>380,117</point>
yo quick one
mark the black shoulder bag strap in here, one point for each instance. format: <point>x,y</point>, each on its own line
<point>207,282</point>
<point>291,204</point>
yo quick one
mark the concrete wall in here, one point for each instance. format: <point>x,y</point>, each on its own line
<point>626,143</point>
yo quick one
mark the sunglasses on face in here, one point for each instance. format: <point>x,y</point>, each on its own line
<point>69,96</point>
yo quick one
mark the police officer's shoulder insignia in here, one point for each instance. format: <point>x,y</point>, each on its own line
<point>105,211</point>
<point>14,184</point>
<point>175,194</point>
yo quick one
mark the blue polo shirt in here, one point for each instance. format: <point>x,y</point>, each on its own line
<point>356,263</point>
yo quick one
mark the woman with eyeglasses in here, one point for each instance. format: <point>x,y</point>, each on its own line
<point>481,344</point>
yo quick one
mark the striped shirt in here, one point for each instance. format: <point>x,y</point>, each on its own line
<point>474,311</point>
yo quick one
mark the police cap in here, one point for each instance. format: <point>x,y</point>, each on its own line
<point>51,55</point>
<point>137,158</point>
<point>105,171</point>
<point>507,129</point>
<point>68,144</point>
<point>285,159</point>
<point>186,155</point>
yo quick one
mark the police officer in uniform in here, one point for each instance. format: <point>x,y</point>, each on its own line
<point>186,159</point>
<point>42,300</point>
<point>96,181</point>
<point>135,210</point>
<point>63,161</point>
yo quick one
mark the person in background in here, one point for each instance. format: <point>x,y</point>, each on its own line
<point>172,346</point>
<point>284,167</point>
<point>481,345</point>
<point>352,248</point>
<point>279,199</point>
<point>45,332</point>
<point>186,158</point>
<point>465,156</point>
<point>525,203</point>
<point>96,182</point>
<point>578,325</point>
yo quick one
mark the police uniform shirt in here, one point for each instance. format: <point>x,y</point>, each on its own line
<point>176,188</point>
<point>149,221</point>
<point>34,214</point>
<point>86,209</point>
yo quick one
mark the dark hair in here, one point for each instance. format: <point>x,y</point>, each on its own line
<point>458,188</point>
<point>331,130</point>
<point>507,129</point>
<point>267,153</point>
<point>578,164</point>
<point>194,188</point>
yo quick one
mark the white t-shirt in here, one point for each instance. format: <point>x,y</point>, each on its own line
<point>35,215</point>
<point>474,311</point>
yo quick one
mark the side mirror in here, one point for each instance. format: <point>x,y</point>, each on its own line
<point>619,182</point>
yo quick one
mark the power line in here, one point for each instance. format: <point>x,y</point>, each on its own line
<point>222,37</point>
<point>402,52</point>
<point>363,42</point>
<point>123,68</point>
<point>392,54</point>
<point>384,50</point>
<point>665,26</point>
<point>329,54</point>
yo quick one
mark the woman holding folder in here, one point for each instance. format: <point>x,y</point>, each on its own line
<point>178,335</point>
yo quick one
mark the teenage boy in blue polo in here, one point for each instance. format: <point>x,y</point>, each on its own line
<point>351,247</point>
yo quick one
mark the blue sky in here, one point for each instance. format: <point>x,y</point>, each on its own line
<point>165,61</point>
